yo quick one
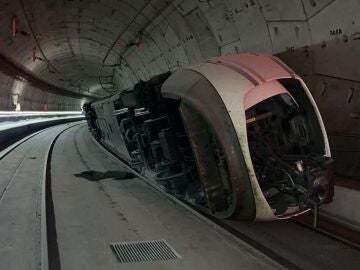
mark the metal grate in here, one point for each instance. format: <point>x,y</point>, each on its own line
<point>144,251</point>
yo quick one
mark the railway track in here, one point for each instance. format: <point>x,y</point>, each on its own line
<point>4,152</point>
<point>50,251</point>
<point>330,229</point>
<point>239,231</point>
<point>260,236</point>
<point>48,258</point>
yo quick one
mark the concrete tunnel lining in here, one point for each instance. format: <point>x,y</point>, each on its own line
<point>75,49</point>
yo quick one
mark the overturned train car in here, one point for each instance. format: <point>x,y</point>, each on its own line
<point>238,136</point>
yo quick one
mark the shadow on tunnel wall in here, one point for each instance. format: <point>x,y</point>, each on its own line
<point>330,71</point>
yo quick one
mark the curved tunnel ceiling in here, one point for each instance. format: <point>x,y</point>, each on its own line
<point>95,47</point>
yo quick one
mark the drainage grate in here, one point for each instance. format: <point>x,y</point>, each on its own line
<point>144,251</point>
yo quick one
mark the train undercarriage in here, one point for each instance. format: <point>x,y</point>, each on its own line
<point>189,146</point>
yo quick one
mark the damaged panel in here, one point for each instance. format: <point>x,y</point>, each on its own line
<point>289,35</point>
<point>224,30</point>
<point>313,7</point>
<point>234,47</point>
<point>202,33</point>
<point>342,23</point>
<point>185,6</point>
<point>251,25</point>
<point>287,152</point>
<point>279,10</point>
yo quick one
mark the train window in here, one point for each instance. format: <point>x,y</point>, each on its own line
<point>285,152</point>
<point>296,90</point>
<point>278,121</point>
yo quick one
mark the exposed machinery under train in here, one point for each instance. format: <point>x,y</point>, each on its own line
<point>237,136</point>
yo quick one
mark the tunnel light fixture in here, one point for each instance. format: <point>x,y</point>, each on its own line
<point>15,30</point>
<point>13,26</point>
<point>34,54</point>
<point>34,57</point>
<point>43,35</point>
<point>114,65</point>
<point>138,43</point>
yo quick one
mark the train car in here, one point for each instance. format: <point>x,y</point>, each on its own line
<point>237,136</point>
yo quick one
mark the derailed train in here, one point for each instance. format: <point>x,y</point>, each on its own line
<point>237,136</point>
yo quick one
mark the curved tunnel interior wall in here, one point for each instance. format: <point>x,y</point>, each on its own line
<point>97,47</point>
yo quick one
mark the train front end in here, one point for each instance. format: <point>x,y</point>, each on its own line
<point>269,151</point>
<point>238,137</point>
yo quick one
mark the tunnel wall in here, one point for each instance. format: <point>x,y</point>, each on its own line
<point>30,98</point>
<point>319,39</point>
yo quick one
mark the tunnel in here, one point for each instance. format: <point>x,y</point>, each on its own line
<point>57,55</point>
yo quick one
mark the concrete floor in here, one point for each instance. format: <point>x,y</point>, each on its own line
<point>94,209</point>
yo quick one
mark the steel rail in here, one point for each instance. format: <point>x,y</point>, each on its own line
<point>50,259</point>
